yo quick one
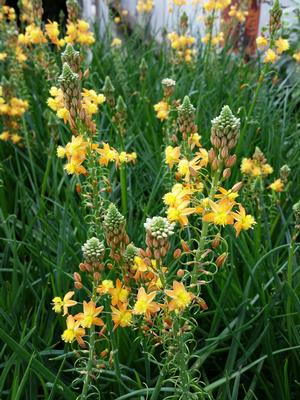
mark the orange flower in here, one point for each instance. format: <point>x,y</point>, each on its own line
<point>229,194</point>
<point>145,304</point>
<point>118,294</point>
<point>220,212</point>
<point>180,297</point>
<point>121,316</point>
<point>89,316</point>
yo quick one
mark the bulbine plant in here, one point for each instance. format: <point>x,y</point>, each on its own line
<point>154,291</point>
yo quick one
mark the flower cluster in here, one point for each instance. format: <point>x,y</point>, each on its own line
<point>144,6</point>
<point>182,46</point>
<point>12,109</point>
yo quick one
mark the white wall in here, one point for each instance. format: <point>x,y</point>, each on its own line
<point>160,17</point>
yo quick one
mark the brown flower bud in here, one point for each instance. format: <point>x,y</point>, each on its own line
<point>185,246</point>
<point>224,152</point>
<point>221,259</point>
<point>77,277</point>
<point>78,285</point>
<point>216,241</point>
<point>180,273</point>
<point>96,276</point>
<point>177,253</point>
<point>211,155</point>
<point>230,161</point>
<point>215,164</point>
<point>226,173</point>
<point>237,187</point>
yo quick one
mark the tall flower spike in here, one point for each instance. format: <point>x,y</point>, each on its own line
<point>275,17</point>
<point>285,171</point>
<point>130,253</point>
<point>225,131</point>
<point>143,67</point>
<point>121,114</point>
<point>70,85</point>
<point>109,91</point>
<point>74,10</point>
<point>93,250</point>
<point>158,232</point>
<point>37,9</point>
<point>71,57</point>
<point>186,118</point>
<point>114,229</point>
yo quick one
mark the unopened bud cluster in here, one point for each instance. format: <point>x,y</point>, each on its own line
<point>275,17</point>
<point>115,233</point>
<point>71,57</point>
<point>109,91</point>
<point>93,250</point>
<point>158,232</point>
<point>285,171</point>
<point>186,118</point>
<point>130,253</point>
<point>70,83</point>
<point>225,131</point>
<point>73,9</point>
<point>168,86</point>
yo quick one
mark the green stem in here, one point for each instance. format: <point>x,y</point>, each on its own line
<point>182,362</point>
<point>290,283</point>
<point>204,231</point>
<point>123,181</point>
<point>89,364</point>
<point>89,367</point>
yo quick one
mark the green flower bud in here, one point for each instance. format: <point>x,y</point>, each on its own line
<point>93,250</point>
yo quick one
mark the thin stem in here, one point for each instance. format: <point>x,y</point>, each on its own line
<point>123,182</point>
<point>204,230</point>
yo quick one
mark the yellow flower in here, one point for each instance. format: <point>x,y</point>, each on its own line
<point>246,166</point>
<point>261,42</point>
<point>229,194</point>
<point>270,56</point>
<point>172,155</point>
<point>105,286</point>
<point>144,6</point>
<point>3,56</point>
<point>180,212</point>
<point>107,154</point>
<point>180,297</point>
<point>179,2</point>
<point>73,331</point>
<point>282,45</point>
<point>296,56</point>
<point>162,110</point>
<point>89,316</point>
<point>194,140</point>
<point>243,221</point>
<point>60,152</point>
<point>121,315</point>
<point>60,304</point>
<point>266,169</point>
<point>5,136</point>
<point>116,42</point>
<point>277,186</point>
<point>15,138</point>
<point>145,304</point>
<point>220,212</point>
